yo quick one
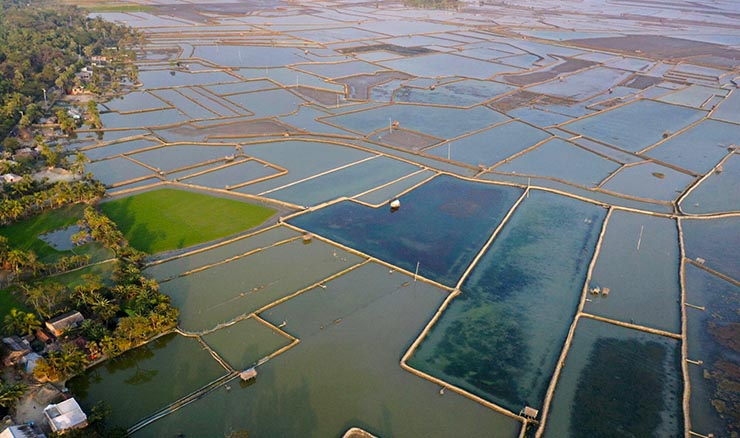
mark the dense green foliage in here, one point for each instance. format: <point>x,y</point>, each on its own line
<point>10,392</point>
<point>43,47</point>
<point>28,200</point>
<point>166,219</point>
<point>24,234</point>
<point>10,298</point>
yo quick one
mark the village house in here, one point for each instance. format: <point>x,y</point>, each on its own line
<point>17,348</point>
<point>59,324</point>
<point>77,90</point>
<point>22,431</point>
<point>11,178</point>
<point>65,415</point>
<point>26,153</point>
<point>98,60</point>
<point>85,74</point>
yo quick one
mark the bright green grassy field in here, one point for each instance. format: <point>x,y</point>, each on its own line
<point>24,234</point>
<point>167,219</point>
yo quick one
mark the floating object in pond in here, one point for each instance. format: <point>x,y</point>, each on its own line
<point>605,291</point>
<point>307,237</point>
<point>595,290</point>
<point>248,374</point>
<point>229,158</point>
<point>395,204</point>
<point>442,391</point>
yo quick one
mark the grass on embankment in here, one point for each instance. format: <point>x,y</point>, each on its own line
<point>167,219</point>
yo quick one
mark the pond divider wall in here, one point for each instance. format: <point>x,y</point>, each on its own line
<point>684,334</point>
<point>572,329</point>
<point>439,313</point>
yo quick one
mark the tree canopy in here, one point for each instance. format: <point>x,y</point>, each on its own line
<point>44,46</point>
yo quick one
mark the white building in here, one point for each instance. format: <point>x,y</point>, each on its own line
<point>12,178</point>
<point>65,415</point>
<point>21,431</point>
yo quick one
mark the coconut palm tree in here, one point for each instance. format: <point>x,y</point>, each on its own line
<point>10,393</point>
<point>61,364</point>
<point>14,321</point>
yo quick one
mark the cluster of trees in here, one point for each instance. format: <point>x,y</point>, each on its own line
<point>22,323</point>
<point>119,316</point>
<point>25,199</point>
<point>10,392</point>
<point>43,45</point>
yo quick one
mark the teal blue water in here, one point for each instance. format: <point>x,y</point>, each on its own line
<point>643,281</point>
<point>712,339</point>
<point>637,125</point>
<point>716,241</point>
<point>440,225</point>
<point>501,338</point>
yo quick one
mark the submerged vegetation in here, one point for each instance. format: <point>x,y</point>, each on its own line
<point>621,390</point>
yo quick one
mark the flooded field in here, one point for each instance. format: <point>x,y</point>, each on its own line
<point>618,382</point>
<point>441,226</point>
<point>500,339</point>
<point>712,329</point>
<point>638,262</point>
<point>315,389</point>
<point>173,364</point>
<point>552,162</point>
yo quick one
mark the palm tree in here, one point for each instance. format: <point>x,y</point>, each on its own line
<point>10,393</point>
<point>14,321</point>
<point>30,324</point>
<point>62,364</point>
<point>104,308</point>
<point>16,259</point>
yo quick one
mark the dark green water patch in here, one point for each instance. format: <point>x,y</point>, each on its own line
<point>618,382</point>
<point>501,338</point>
<point>145,379</point>
<point>617,395</point>
<point>441,225</point>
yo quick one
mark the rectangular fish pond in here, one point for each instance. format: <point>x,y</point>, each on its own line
<point>500,339</point>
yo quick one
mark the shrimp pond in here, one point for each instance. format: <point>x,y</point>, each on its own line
<point>501,221</point>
